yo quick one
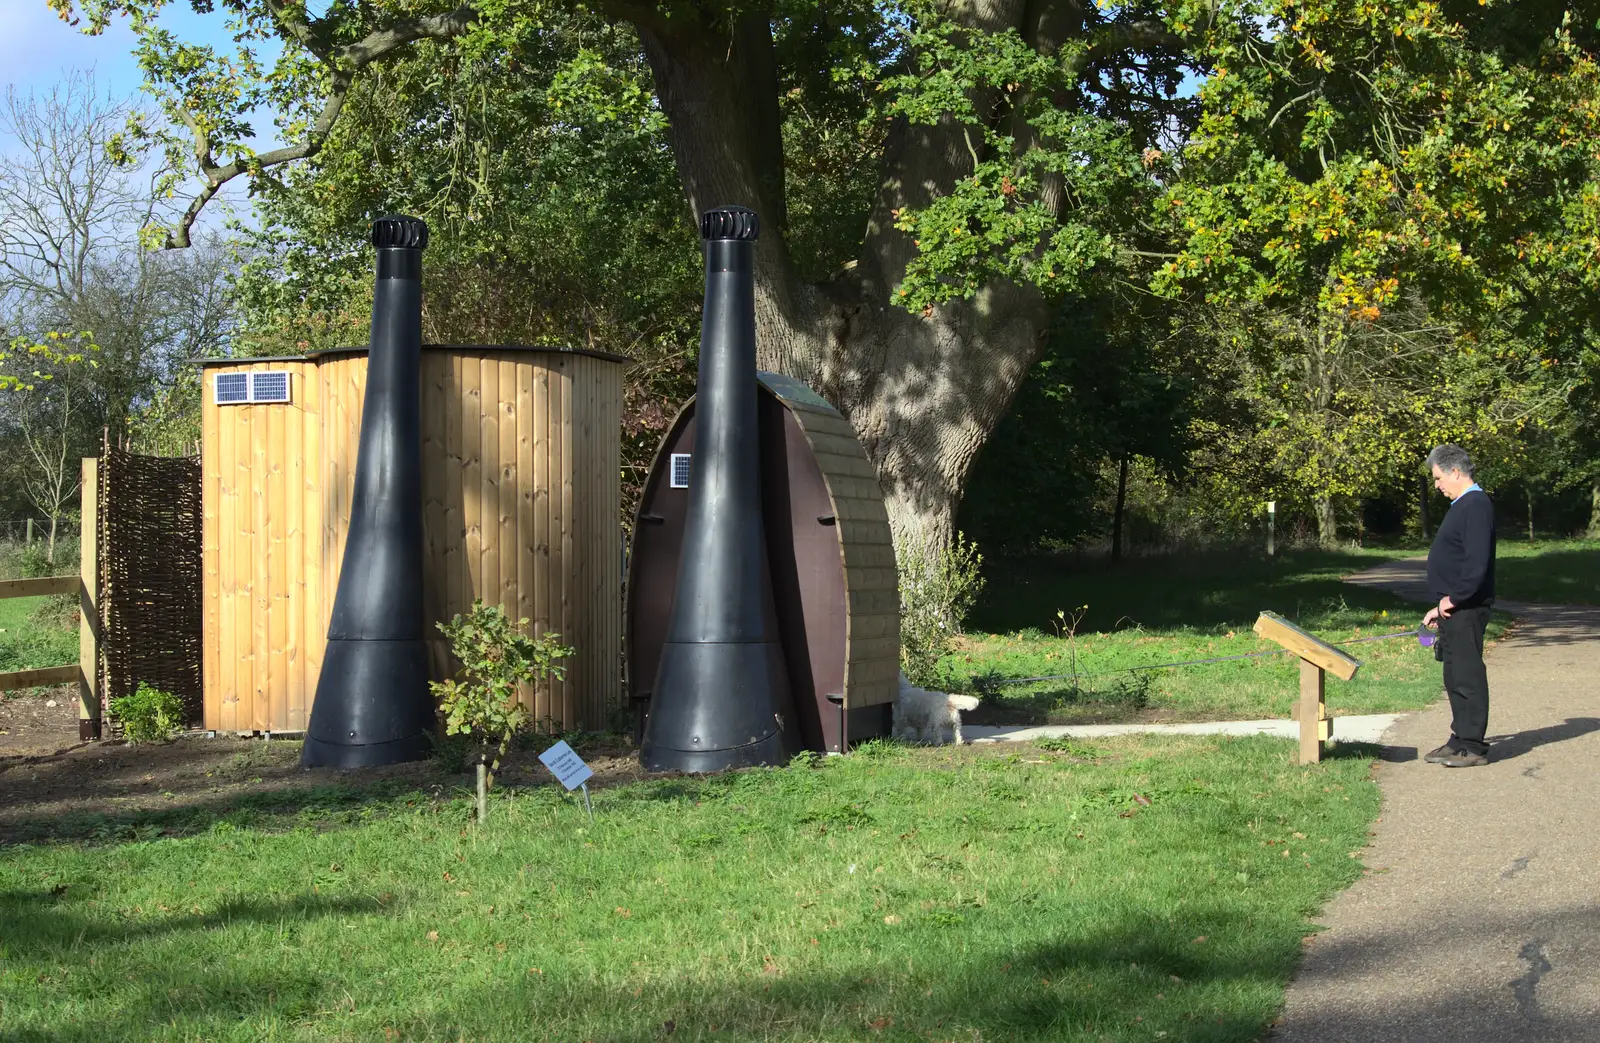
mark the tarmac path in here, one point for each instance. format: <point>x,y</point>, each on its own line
<point>1480,920</point>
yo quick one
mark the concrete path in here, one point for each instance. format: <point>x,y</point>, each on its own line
<point>1480,920</point>
<point>1355,728</point>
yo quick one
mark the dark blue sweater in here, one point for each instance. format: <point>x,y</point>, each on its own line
<point>1461,561</point>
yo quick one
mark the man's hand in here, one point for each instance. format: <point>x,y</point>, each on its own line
<point>1431,618</point>
<point>1446,606</point>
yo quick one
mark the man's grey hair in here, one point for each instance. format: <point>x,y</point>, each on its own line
<point>1449,458</point>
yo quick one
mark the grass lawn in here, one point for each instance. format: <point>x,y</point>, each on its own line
<point>1152,611</point>
<point>1131,889</point>
<point>36,632</point>
<point>1557,571</point>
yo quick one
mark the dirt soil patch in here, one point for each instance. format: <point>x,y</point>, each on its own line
<point>31,725</point>
<point>54,788</point>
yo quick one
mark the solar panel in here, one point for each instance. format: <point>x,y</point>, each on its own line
<point>680,471</point>
<point>272,386</point>
<point>233,388</point>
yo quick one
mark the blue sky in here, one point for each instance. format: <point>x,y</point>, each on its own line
<point>38,50</point>
<point>36,46</point>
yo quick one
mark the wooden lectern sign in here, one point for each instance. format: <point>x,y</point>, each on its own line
<point>1317,658</point>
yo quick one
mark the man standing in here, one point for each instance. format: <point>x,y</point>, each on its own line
<point>1461,575</point>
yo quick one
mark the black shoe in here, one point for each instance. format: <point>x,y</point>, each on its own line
<point>1442,754</point>
<point>1465,759</point>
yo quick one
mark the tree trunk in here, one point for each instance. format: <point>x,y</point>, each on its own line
<point>1327,522</point>
<point>1321,364</point>
<point>1594,511</point>
<point>923,391</point>
<point>1530,515</point>
<point>50,548</point>
<point>1422,505</point>
<point>1116,517</point>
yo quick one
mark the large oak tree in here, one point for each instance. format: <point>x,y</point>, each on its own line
<point>1004,132</point>
<point>984,160</point>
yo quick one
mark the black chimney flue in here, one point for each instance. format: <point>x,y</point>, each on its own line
<point>721,697</point>
<point>373,705</point>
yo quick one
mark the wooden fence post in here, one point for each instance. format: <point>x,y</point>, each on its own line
<point>89,722</point>
<point>1314,725</point>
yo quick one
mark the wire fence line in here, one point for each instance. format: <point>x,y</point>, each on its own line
<point>15,530</point>
<point>1001,682</point>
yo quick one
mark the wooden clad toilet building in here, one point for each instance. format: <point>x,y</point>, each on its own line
<point>520,459</point>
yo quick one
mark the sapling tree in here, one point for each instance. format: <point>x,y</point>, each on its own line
<point>497,659</point>
<point>42,379</point>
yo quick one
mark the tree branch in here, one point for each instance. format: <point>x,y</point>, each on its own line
<point>293,21</point>
<point>344,64</point>
<point>1134,36</point>
<point>1285,107</point>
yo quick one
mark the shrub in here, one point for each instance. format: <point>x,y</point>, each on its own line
<point>149,714</point>
<point>987,685</point>
<point>57,612</point>
<point>496,659</point>
<point>936,593</point>
<point>32,560</point>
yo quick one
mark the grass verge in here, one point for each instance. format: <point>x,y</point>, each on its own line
<point>1552,571</point>
<point>1148,612</point>
<point>1132,889</point>
<point>37,632</point>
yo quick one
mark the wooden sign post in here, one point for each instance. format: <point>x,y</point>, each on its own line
<point>1317,658</point>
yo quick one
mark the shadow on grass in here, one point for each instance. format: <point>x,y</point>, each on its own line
<point>1135,972</point>
<point>279,809</point>
<point>1203,591</point>
<point>1058,702</point>
<point>119,793</point>
<point>49,924</point>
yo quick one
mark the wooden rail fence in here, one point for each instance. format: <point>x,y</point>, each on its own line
<point>85,671</point>
<point>33,588</point>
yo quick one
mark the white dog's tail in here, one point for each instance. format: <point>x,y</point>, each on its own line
<point>963,702</point>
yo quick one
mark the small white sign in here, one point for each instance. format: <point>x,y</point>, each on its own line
<point>565,764</point>
<point>1272,506</point>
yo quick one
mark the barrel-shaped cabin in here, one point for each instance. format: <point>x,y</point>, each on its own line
<point>832,562</point>
<point>521,451</point>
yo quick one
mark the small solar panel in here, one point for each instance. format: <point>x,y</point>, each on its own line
<point>272,386</point>
<point>233,388</point>
<point>680,471</point>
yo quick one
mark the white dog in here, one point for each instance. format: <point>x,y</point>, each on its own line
<point>924,716</point>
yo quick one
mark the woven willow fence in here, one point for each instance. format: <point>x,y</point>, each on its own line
<point>148,523</point>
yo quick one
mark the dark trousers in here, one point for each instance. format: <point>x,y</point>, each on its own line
<point>1465,679</point>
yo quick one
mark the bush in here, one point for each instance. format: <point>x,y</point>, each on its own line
<point>149,714</point>
<point>57,612</point>
<point>31,560</point>
<point>495,661</point>
<point>936,593</point>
